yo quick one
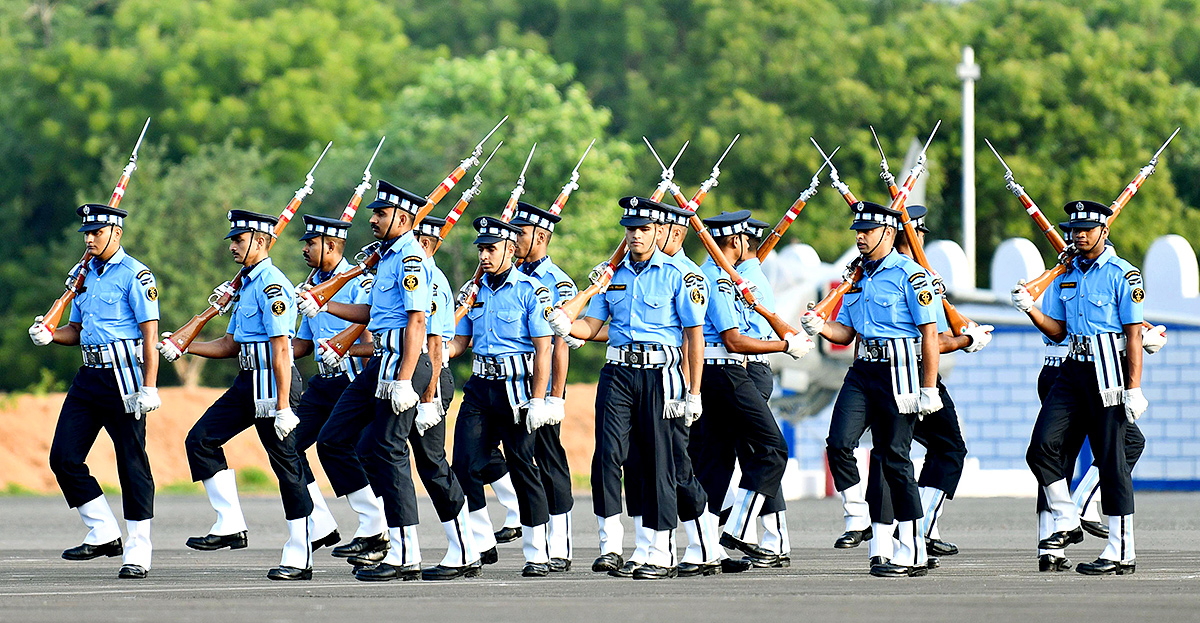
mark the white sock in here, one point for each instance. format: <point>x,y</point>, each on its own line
<point>882,544</point>
<point>102,525</point>
<point>297,551</point>
<point>460,543</point>
<point>661,548</point>
<point>405,550</point>
<point>775,536</point>
<point>911,551</point>
<point>370,512</point>
<point>535,544</point>
<point>507,496</point>
<point>321,521</point>
<point>481,528</point>
<point>612,533</point>
<point>642,536</point>
<point>746,507</point>
<point>1058,496</point>
<point>1120,539</point>
<point>223,495</point>
<point>855,509</point>
<point>137,546</point>
<point>933,500</point>
<point>559,534</point>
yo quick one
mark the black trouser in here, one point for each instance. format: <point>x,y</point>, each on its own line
<point>233,413</point>
<point>764,380</point>
<point>1074,403</point>
<point>736,422</point>
<point>485,420</point>
<point>691,498</point>
<point>314,408</point>
<point>866,396</point>
<point>429,456</point>
<point>92,403</point>
<point>556,472</point>
<point>339,436</point>
<point>629,412</point>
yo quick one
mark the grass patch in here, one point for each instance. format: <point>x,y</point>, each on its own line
<point>15,489</point>
<point>581,482</point>
<point>110,489</point>
<point>255,480</point>
<point>182,487</point>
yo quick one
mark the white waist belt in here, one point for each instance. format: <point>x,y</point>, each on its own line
<point>636,356</point>
<point>715,353</point>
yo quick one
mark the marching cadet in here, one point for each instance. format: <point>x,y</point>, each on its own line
<point>894,378</point>
<point>739,424</point>
<point>1096,307</point>
<point>504,400</point>
<point>324,250</point>
<point>378,411</point>
<point>260,331</point>
<point>114,320</point>
<point>537,228</point>
<point>650,308</point>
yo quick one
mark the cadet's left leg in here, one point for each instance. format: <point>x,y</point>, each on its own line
<point>654,437</point>
<point>946,451</point>
<point>556,480</point>
<point>297,502</point>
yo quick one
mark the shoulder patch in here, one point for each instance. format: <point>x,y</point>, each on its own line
<point>918,281</point>
<point>939,286</point>
<point>413,264</point>
<point>1134,278</point>
<point>411,282</point>
<point>564,285</point>
<point>925,298</point>
<point>543,295</point>
<point>278,307</point>
<point>1138,295</point>
<point>693,279</point>
<point>697,296</point>
<point>616,287</point>
<point>432,307</point>
<point>152,293</point>
<point>145,277</point>
<point>273,291</point>
<point>725,286</point>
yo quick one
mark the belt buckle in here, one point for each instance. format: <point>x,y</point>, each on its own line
<point>491,369</point>
<point>634,357</point>
<point>91,358</point>
<point>874,352</point>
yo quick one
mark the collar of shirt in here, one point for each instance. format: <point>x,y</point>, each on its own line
<point>395,244</point>
<point>116,258</point>
<point>750,263</point>
<point>322,276</point>
<point>1103,259</point>
<point>258,269</point>
<point>656,259</point>
<point>536,267</point>
<point>508,278</point>
<point>887,261</point>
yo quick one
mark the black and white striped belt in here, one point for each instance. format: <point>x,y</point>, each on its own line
<point>878,350</point>
<point>498,368</point>
<point>254,356</point>
<point>1080,347</point>
<point>637,355</point>
<point>96,356</point>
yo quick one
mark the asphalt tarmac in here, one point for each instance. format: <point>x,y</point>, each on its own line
<point>994,578</point>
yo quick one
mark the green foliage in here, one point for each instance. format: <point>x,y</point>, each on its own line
<point>255,480</point>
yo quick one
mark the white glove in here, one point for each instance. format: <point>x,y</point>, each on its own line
<point>674,409</point>
<point>307,303</point>
<point>812,323</point>
<point>798,345</point>
<point>1021,298</point>
<point>597,274</point>
<point>328,354</point>
<point>537,414</point>
<point>40,332</point>
<point>468,291</point>
<point>147,401</point>
<point>168,349</point>
<point>559,322</point>
<point>931,402</point>
<point>557,407</point>
<point>428,416</point>
<point>404,397</point>
<point>1154,338</point>
<point>1135,404</point>
<point>693,408</point>
<point>573,341</point>
<point>225,289</point>
<point>285,422</point>
<point>980,334</point>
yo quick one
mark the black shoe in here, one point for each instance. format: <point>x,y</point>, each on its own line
<point>728,541</point>
<point>212,542</point>
<point>607,562</point>
<point>441,572</point>
<point>889,570</point>
<point>1095,528</point>
<point>776,562</point>
<point>691,569</point>
<point>730,565</point>
<point>88,552</point>
<point>559,565</point>
<point>1050,562</point>
<point>852,538</point>
<point>1061,539</point>
<point>626,571</point>
<point>878,560</point>
<point>132,572</point>
<point>383,572</point>
<point>535,570</point>
<point>932,562</point>
<point>506,534</point>
<point>289,573</point>
<point>938,547</point>
<point>361,545</point>
<point>490,557</point>
<point>1101,566</point>
<point>654,572</point>
<point>329,540</point>
<point>367,559</point>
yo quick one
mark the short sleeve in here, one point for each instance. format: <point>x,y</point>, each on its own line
<point>537,309</point>
<point>414,284</point>
<point>1052,304</point>
<point>305,331</point>
<point>923,301</point>
<point>279,311</point>
<point>464,326</point>
<point>691,300</point>
<point>722,307</point>
<point>1130,294</point>
<point>598,308</point>
<point>143,296</point>
<point>564,289</point>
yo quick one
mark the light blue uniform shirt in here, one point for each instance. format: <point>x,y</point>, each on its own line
<point>326,325</point>
<point>401,285</point>
<point>754,325</point>
<point>723,311</point>
<point>503,321</point>
<point>651,307</point>
<point>264,308</point>
<point>1101,300</point>
<point>118,295</point>
<point>892,301</point>
<point>440,321</point>
<point>562,288</point>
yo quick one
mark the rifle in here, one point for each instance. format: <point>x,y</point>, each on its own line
<point>574,307</point>
<point>219,303</point>
<point>356,199</point>
<point>346,338</point>
<point>324,291</point>
<point>790,216</point>
<point>75,280</point>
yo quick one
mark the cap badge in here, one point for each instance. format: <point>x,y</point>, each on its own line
<point>633,202</point>
<point>86,210</point>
